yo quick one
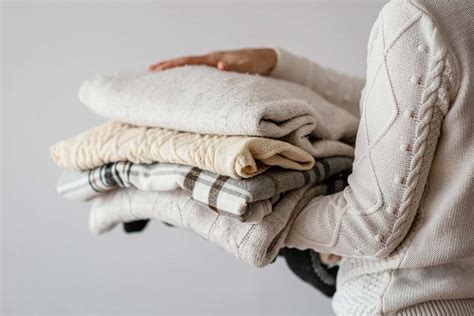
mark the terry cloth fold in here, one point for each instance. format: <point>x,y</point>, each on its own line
<point>257,244</point>
<point>221,193</point>
<point>204,100</point>
<point>234,156</point>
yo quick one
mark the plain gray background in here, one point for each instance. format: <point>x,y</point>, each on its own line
<point>51,264</point>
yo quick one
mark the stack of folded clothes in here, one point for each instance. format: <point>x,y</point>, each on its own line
<point>231,157</point>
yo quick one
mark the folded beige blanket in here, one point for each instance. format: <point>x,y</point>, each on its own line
<point>234,156</point>
<point>257,244</point>
<point>205,100</point>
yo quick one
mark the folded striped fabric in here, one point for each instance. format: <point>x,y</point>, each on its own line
<point>222,194</point>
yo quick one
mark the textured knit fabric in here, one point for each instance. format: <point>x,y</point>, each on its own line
<point>223,194</point>
<point>257,244</point>
<point>404,223</point>
<point>306,264</point>
<point>222,103</point>
<point>233,156</point>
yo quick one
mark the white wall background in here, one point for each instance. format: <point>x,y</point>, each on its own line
<point>50,262</point>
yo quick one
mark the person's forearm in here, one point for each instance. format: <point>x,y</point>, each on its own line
<point>397,138</point>
<point>339,89</point>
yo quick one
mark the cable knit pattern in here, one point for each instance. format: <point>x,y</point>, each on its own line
<point>435,102</point>
<point>234,156</point>
<point>406,241</point>
<point>382,200</point>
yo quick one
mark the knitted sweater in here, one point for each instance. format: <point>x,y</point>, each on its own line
<point>404,225</point>
<point>233,156</point>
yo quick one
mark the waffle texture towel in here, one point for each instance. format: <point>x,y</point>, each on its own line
<point>223,194</point>
<point>233,156</point>
<point>223,103</point>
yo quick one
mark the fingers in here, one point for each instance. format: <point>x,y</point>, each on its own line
<point>253,61</point>
<point>241,66</point>
<point>226,61</point>
<point>182,61</point>
<point>154,66</point>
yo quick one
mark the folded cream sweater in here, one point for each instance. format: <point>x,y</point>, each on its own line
<point>234,156</point>
<point>221,103</point>
<point>404,225</point>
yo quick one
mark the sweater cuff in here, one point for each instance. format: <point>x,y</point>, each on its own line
<point>289,66</point>
<point>279,66</point>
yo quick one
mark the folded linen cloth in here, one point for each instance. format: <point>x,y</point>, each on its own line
<point>233,156</point>
<point>223,103</point>
<point>257,244</point>
<point>223,194</point>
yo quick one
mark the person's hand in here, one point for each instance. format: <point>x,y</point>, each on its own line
<point>329,258</point>
<point>251,60</point>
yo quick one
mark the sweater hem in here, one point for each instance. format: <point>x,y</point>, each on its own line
<point>456,307</point>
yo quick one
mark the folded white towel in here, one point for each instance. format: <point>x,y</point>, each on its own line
<point>204,100</point>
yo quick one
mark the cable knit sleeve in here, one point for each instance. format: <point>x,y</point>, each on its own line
<point>410,82</point>
<point>339,89</point>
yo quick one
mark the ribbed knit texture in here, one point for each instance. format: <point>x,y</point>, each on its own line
<point>404,224</point>
<point>460,307</point>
